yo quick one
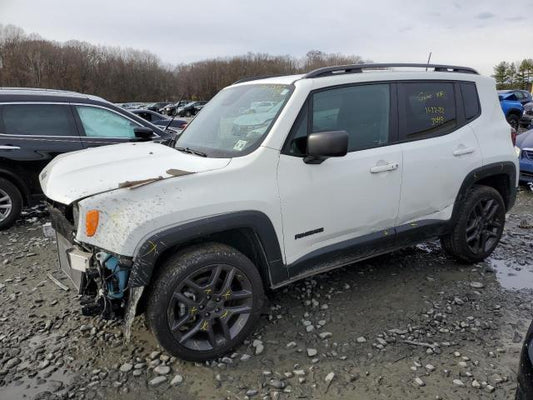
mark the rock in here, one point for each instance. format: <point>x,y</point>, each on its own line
<point>245,357</point>
<point>430,367</point>
<point>259,349</point>
<point>251,392</point>
<point>476,384</point>
<point>11,363</point>
<point>477,285</point>
<point>458,382</point>
<point>489,388</point>
<point>419,382</point>
<point>157,380</point>
<point>162,369</point>
<point>290,345</point>
<point>329,377</point>
<point>299,372</point>
<point>154,355</point>
<point>325,335</point>
<point>309,328</point>
<point>276,383</point>
<point>462,364</point>
<point>137,372</point>
<point>177,380</point>
<point>312,352</point>
<point>126,367</point>
<point>361,339</point>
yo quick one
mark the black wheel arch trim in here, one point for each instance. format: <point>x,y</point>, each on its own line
<point>501,168</point>
<point>270,251</point>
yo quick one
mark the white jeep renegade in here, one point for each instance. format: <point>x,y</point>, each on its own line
<point>344,163</point>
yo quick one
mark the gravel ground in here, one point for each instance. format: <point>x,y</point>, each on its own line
<point>412,324</point>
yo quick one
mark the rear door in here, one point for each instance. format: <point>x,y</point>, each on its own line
<point>32,134</point>
<point>439,147</point>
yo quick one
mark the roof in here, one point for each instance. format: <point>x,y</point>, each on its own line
<point>25,92</point>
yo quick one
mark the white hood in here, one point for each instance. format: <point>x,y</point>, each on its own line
<point>76,175</point>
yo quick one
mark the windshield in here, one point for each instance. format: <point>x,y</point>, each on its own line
<point>236,120</point>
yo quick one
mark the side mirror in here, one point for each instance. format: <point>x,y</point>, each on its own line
<point>322,145</point>
<point>143,134</point>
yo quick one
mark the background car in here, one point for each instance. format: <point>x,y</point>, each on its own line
<point>171,109</point>
<point>524,144</point>
<point>523,96</point>
<point>527,117</point>
<point>157,106</point>
<point>159,119</point>
<point>511,107</point>
<point>191,109</point>
<point>38,124</point>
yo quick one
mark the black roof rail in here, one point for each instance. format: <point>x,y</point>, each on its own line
<point>357,68</point>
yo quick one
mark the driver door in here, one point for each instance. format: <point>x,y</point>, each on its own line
<point>348,201</point>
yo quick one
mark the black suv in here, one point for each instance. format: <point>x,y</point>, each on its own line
<point>38,124</point>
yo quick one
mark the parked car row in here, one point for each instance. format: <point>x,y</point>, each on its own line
<point>517,105</point>
<point>37,125</point>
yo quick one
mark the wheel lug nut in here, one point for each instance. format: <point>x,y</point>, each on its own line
<point>218,299</point>
<point>207,314</point>
<point>208,297</point>
<point>201,307</point>
<point>217,309</point>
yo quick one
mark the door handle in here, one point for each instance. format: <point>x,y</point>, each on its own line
<point>463,150</point>
<point>9,147</point>
<point>384,168</point>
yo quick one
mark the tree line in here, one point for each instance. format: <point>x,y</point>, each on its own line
<point>514,75</point>
<point>119,74</point>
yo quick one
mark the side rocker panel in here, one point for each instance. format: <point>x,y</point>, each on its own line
<point>146,258</point>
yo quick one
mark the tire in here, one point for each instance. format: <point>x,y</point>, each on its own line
<point>209,315</point>
<point>513,120</point>
<point>478,226</point>
<point>10,203</point>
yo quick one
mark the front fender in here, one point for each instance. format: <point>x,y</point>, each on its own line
<point>151,249</point>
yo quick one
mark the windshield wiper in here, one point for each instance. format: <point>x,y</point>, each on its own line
<point>191,151</point>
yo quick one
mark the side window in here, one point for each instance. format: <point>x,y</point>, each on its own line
<point>99,122</point>
<point>470,100</point>
<point>37,119</point>
<point>427,109</point>
<point>519,95</point>
<point>362,111</point>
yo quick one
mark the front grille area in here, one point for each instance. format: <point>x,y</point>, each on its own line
<point>528,154</point>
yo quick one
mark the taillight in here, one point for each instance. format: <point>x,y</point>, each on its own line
<point>513,136</point>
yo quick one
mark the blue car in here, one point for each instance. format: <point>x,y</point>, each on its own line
<point>524,144</point>
<point>512,108</point>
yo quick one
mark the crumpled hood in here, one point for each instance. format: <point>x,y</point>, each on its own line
<point>72,176</point>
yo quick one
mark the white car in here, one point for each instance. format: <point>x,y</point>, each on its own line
<point>358,160</point>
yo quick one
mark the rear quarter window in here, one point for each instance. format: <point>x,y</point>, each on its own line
<point>470,100</point>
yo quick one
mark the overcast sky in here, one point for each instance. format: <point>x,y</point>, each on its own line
<point>472,33</point>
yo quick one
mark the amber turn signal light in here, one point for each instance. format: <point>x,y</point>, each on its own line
<point>91,222</point>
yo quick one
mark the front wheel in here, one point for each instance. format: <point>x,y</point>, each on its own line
<point>478,226</point>
<point>205,301</point>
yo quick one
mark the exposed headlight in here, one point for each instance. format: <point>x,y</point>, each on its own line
<point>517,150</point>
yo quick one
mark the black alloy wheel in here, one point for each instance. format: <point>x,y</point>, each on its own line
<point>484,226</point>
<point>478,225</point>
<point>210,307</point>
<point>205,300</point>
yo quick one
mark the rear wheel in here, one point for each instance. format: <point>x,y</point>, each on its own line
<point>10,203</point>
<point>479,225</point>
<point>206,300</point>
<point>513,120</point>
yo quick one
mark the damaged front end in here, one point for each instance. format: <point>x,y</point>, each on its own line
<point>100,277</point>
